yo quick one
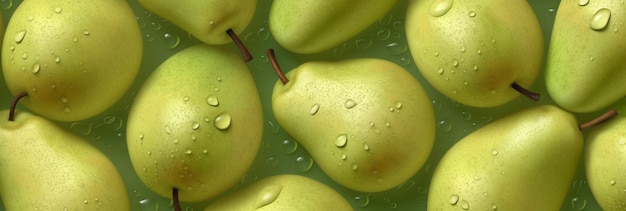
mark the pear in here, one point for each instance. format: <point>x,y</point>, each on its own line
<point>478,53</point>
<point>605,163</point>
<point>524,161</point>
<point>47,168</point>
<point>283,192</point>
<point>585,69</point>
<point>213,22</point>
<point>73,58</point>
<point>367,123</point>
<point>195,124</point>
<point>313,26</point>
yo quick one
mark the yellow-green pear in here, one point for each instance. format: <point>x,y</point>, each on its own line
<point>367,123</point>
<point>478,53</point>
<point>283,192</point>
<point>195,124</point>
<point>605,163</point>
<point>585,68</point>
<point>73,58</point>
<point>313,26</point>
<point>524,161</point>
<point>213,22</point>
<point>47,168</point>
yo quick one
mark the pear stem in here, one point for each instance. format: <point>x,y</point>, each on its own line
<point>532,95</point>
<point>175,199</point>
<point>14,104</point>
<point>609,114</point>
<point>279,72</point>
<point>244,51</point>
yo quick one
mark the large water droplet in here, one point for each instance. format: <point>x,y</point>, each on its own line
<point>212,101</point>
<point>267,195</point>
<point>289,146</point>
<point>20,36</point>
<point>454,199</point>
<point>578,203</point>
<point>314,109</point>
<point>600,19</point>
<point>440,7</point>
<point>222,121</point>
<point>396,48</point>
<point>341,140</point>
<point>583,2</point>
<point>172,40</point>
<point>304,163</point>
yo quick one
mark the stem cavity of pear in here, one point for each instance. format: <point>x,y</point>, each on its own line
<point>175,199</point>
<point>14,104</point>
<point>609,114</point>
<point>532,95</point>
<point>244,51</point>
<point>279,72</point>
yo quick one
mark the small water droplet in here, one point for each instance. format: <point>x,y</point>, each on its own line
<point>583,2</point>
<point>366,146</point>
<point>600,19</point>
<point>186,98</point>
<point>578,203</point>
<point>85,32</point>
<point>475,68</point>
<point>472,14</point>
<point>172,40</point>
<point>363,44</point>
<point>384,34</point>
<point>63,99</point>
<point>205,151</point>
<point>436,53</point>
<point>195,125</point>
<point>396,48</point>
<point>440,71</point>
<point>440,7</point>
<point>289,146</point>
<point>355,167</point>
<point>19,37</point>
<point>465,205</point>
<point>349,104</point>
<point>314,109</point>
<point>454,199</point>
<point>24,56</point>
<point>494,207</point>
<point>36,68</point>
<point>168,130</point>
<point>362,201</point>
<point>188,152</point>
<point>455,63</point>
<point>341,140</point>
<point>398,105</point>
<point>30,18</point>
<point>212,101</point>
<point>622,142</point>
<point>58,10</point>
<point>344,156</point>
<point>304,163</point>
<point>176,141</point>
<point>444,125</point>
<point>67,109</point>
<point>612,182</point>
<point>222,121</point>
<point>267,195</point>
<point>494,152</point>
<point>272,161</point>
<point>57,59</point>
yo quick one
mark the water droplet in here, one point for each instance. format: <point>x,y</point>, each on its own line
<point>57,59</point>
<point>344,156</point>
<point>195,125</point>
<point>271,161</point>
<point>475,68</point>
<point>440,7</point>
<point>168,130</point>
<point>58,10</point>
<point>63,99</point>
<point>222,121</point>
<point>212,101</point>
<point>440,71</point>
<point>267,195</point>
<point>454,199</point>
<point>583,2</point>
<point>612,182</point>
<point>85,32</point>
<point>355,167</point>
<point>494,207</point>
<point>472,14</point>
<point>289,146</point>
<point>465,205</point>
<point>30,18</point>
<point>621,142</point>
<point>205,151</point>
<point>314,109</point>
<point>600,19</point>
<point>24,56</point>
<point>462,49</point>
<point>455,63</point>
<point>186,98</point>
<point>366,146</point>
<point>494,152</point>
<point>341,140</point>
<point>35,68</point>
<point>398,105</point>
<point>396,48</point>
<point>578,203</point>
<point>444,125</point>
<point>349,104</point>
<point>363,44</point>
<point>188,152</point>
<point>19,37</point>
<point>384,34</point>
<point>436,53</point>
<point>304,163</point>
<point>171,40</point>
<point>362,201</point>
<point>176,141</point>
<point>66,109</point>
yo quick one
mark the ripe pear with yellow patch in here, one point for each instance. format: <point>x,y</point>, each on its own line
<point>479,53</point>
<point>47,168</point>
<point>196,124</point>
<point>585,68</point>
<point>367,123</point>
<point>283,192</point>
<point>73,58</point>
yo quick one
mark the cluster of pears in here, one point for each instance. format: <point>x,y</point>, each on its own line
<point>64,63</point>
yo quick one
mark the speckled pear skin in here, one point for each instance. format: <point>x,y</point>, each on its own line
<point>367,123</point>
<point>47,168</point>
<point>526,161</point>
<point>585,68</point>
<point>313,26</point>
<point>283,193</point>
<point>196,124</point>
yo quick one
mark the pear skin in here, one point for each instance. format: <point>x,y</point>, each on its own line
<point>313,26</point>
<point>605,163</point>
<point>367,123</point>
<point>524,161</point>
<point>196,124</point>
<point>585,68</point>
<point>207,20</point>
<point>74,58</point>
<point>283,192</point>
<point>474,51</point>
<point>47,168</point>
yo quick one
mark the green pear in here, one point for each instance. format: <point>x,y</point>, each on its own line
<point>367,123</point>
<point>74,59</point>
<point>524,161</point>
<point>313,26</point>
<point>478,53</point>
<point>213,22</point>
<point>605,163</point>
<point>283,192</point>
<point>585,69</point>
<point>47,168</point>
<point>195,124</point>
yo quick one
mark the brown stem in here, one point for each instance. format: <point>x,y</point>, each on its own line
<point>175,199</point>
<point>532,95</point>
<point>244,51</point>
<point>279,72</point>
<point>14,104</point>
<point>609,114</point>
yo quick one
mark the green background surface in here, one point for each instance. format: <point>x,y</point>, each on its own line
<point>279,153</point>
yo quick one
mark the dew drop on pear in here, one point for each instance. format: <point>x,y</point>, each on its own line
<point>583,2</point>
<point>454,199</point>
<point>341,140</point>
<point>267,195</point>
<point>600,19</point>
<point>19,37</point>
<point>349,103</point>
<point>212,101</point>
<point>314,109</point>
<point>222,121</point>
<point>440,7</point>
